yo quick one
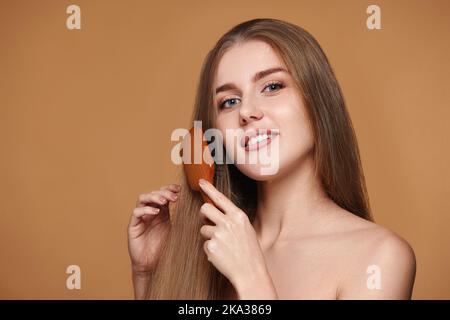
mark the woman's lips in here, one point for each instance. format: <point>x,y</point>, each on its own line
<point>260,144</point>
<point>252,133</point>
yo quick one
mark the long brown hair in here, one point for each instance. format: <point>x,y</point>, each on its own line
<point>183,271</point>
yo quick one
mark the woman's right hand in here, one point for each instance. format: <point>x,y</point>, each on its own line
<point>149,226</point>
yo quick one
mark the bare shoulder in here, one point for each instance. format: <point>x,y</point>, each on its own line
<point>374,251</point>
<point>374,238</point>
<point>380,243</point>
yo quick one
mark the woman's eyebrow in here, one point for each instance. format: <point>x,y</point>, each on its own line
<point>258,76</point>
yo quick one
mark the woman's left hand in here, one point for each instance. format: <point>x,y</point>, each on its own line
<point>232,246</point>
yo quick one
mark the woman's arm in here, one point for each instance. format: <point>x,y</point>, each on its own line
<point>258,287</point>
<point>141,281</point>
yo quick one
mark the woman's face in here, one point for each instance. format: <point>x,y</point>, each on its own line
<point>247,104</point>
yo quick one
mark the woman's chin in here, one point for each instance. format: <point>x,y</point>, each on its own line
<point>258,172</point>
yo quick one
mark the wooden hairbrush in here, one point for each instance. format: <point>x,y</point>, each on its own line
<point>198,162</point>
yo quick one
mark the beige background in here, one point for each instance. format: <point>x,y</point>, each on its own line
<point>86,117</point>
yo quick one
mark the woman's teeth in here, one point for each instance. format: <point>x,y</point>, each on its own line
<point>259,138</point>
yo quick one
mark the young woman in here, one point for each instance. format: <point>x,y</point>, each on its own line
<point>304,232</point>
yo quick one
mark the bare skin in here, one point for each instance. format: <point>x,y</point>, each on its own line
<point>148,228</point>
<point>325,253</point>
<point>331,263</point>
<point>311,248</point>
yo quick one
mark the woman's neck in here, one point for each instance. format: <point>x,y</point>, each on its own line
<point>289,202</point>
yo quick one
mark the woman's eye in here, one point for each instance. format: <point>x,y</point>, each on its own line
<point>228,103</point>
<point>231,101</point>
<point>274,86</point>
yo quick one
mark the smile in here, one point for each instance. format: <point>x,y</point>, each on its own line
<point>259,141</point>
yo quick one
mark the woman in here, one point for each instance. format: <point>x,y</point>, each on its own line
<point>303,232</point>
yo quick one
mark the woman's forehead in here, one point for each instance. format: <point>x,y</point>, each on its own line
<point>242,61</point>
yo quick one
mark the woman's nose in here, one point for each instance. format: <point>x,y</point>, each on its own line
<point>249,113</point>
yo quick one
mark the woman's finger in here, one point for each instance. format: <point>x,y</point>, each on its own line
<point>169,195</point>
<point>207,231</point>
<point>212,213</point>
<point>172,187</point>
<point>149,198</point>
<point>139,212</point>
<point>219,199</point>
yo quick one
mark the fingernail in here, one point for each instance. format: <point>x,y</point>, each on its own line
<point>202,182</point>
